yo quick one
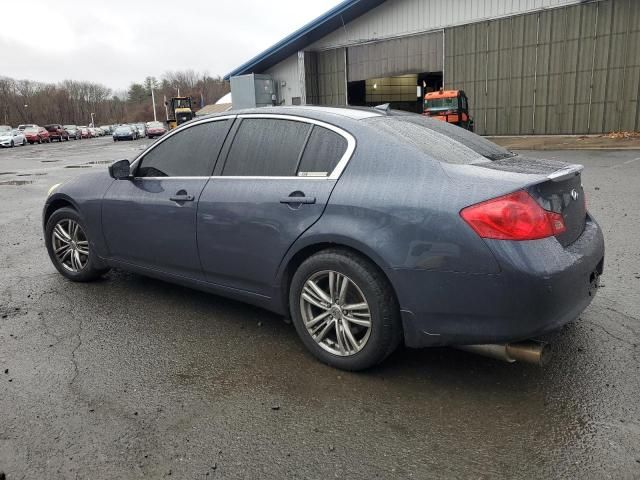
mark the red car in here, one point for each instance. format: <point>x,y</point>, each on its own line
<point>56,132</point>
<point>155,129</point>
<point>85,132</point>
<point>37,135</point>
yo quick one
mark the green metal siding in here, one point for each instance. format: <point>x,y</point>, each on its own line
<point>570,70</point>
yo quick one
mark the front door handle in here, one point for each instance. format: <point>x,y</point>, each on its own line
<point>182,198</point>
<point>298,200</point>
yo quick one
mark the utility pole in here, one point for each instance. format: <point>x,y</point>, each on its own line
<point>92,122</point>
<point>166,109</point>
<point>153,100</point>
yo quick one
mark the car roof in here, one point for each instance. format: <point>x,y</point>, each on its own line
<point>327,113</point>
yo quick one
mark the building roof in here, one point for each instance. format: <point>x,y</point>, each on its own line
<point>335,18</point>
<point>214,108</point>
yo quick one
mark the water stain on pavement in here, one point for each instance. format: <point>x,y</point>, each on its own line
<point>16,182</point>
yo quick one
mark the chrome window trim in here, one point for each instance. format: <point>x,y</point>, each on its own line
<point>334,175</point>
<point>171,133</point>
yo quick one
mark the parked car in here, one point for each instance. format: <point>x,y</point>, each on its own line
<point>27,125</point>
<point>94,132</point>
<point>124,132</point>
<point>134,127</point>
<point>142,130</point>
<point>11,138</point>
<point>73,131</point>
<point>57,132</point>
<point>37,135</point>
<point>155,129</point>
<point>5,128</point>
<point>106,129</point>
<point>369,228</point>
<point>85,132</point>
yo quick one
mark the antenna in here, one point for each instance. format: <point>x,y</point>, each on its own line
<point>385,107</point>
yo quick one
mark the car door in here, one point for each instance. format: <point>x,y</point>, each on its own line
<point>274,184</point>
<point>150,220</point>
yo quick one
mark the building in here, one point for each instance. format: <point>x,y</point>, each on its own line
<point>528,66</point>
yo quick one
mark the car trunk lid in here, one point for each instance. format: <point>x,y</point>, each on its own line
<point>559,191</point>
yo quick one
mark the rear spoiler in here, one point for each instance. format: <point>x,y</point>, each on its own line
<point>566,173</point>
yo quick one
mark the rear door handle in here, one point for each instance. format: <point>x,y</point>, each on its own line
<point>182,198</point>
<point>297,200</point>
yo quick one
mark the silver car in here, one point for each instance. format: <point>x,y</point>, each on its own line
<point>11,138</point>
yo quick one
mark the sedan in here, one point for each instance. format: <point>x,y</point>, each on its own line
<point>85,132</point>
<point>11,138</point>
<point>370,228</point>
<point>155,129</point>
<point>124,132</point>
<point>73,131</point>
<point>57,132</point>
<point>37,135</point>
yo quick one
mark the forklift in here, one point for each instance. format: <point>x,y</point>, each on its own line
<point>179,111</point>
<point>451,106</point>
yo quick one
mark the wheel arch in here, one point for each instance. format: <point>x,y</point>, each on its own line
<point>55,204</point>
<point>297,256</point>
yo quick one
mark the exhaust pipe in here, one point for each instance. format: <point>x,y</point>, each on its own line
<point>532,352</point>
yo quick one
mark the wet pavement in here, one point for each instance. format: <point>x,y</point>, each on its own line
<point>130,377</point>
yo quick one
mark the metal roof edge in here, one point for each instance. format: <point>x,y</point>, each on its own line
<point>300,34</point>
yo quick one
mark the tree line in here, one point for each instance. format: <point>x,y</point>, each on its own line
<point>73,102</point>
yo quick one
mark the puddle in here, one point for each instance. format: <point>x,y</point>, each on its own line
<point>7,173</point>
<point>99,162</point>
<point>49,161</point>
<point>16,182</point>
<point>78,166</point>
<point>31,174</point>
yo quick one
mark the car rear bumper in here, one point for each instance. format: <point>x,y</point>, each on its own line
<point>541,287</point>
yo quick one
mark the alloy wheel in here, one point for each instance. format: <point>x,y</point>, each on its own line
<point>70,245</point>
<point>335,313</point>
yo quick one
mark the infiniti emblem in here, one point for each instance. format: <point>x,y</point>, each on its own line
<point>574,194</point>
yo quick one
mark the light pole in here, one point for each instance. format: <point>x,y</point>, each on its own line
<point>92,122</point>
<point>153,100</point>
<point>26,111</point>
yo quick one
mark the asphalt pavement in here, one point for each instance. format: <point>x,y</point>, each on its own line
<point>131,377</point>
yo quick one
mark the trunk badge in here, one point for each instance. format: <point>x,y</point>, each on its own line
<point>574,194</point>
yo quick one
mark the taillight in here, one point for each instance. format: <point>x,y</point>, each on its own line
<point>516,216</point>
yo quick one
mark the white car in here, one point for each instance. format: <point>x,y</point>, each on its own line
<point>11,138</point>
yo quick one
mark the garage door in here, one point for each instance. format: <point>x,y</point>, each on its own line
<point>415,54</point>
<point>325,77</point>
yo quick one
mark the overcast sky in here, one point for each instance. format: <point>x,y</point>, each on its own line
<point>118,42</point>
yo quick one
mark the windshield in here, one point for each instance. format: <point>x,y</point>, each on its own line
<point>31,130</point>
<point>154,125</point>
<point>123,130</point>
<point>450,103</point>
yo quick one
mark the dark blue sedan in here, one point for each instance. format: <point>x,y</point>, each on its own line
<point>370,228</point>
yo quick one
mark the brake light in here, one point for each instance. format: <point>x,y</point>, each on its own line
<point>516,216</point>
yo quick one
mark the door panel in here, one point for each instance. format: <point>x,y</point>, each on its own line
<point>245,229</point>
<point>143,226</point>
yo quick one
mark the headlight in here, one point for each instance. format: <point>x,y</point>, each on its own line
<point>53,188</point>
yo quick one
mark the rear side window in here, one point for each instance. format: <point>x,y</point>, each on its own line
<point>266,147</point>
<point>322,153</point>
<point>189,153</point>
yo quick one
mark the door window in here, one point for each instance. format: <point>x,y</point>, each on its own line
<point>189,153</point>
<point>322,153</point>
<point>266,147</point>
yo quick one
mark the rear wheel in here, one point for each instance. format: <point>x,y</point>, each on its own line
<point>69,247</point>
<point>24,142</point>
<point>344,310</point>
<point>12,144</point>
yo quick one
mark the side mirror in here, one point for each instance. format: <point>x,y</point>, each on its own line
<point>120,170</point>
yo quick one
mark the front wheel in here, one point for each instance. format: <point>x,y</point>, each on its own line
<point>12,144</point>
<point>69,247</point>
<point>344,310</point>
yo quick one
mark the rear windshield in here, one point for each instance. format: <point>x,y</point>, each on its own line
<point>445,142</point>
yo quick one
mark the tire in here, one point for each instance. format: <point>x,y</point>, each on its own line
<point>84,267</point>
<point>12,144</point>
<point>39,141</point>
<point>24,143</point>
<point>373,343</point>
